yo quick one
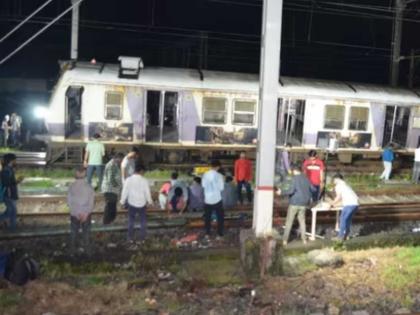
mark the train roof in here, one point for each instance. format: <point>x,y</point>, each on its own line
<point>177,78</point>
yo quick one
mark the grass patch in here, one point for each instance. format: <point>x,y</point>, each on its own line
<point>46,173</point>
<point>162,174</point>
<point>9,300</point>
<point>214,272</point>
<point>44,183</point>
<point>405,272</point>
<point>9,150</point>
<point>55,270</point>
<point>297,265</point>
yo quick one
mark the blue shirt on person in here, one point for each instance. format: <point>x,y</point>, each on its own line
<point>388,155</point>
<point>213,185</point>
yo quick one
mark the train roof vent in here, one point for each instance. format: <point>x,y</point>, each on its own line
<point>130,67</point>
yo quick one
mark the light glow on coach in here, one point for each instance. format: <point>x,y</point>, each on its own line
<point>41,112</point>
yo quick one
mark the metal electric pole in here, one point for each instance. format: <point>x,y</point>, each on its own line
<point>268,98</point>
<point>74,50</point>
<point>396,41</point>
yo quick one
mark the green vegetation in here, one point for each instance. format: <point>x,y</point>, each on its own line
<point>8,300</point>
<point>297,265</point>
<point>215,272</point>
<point>403,274</point>
<point>60,173</point>
<point>162,174</point>
<point>45,173</point>
<point>43,183</point>
<point>9,150</point>
<point>55,270</point>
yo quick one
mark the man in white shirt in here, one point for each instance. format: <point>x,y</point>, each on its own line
<point>416,166</point>
<point>213,185</point>
<point>136,195</point>
<point>349,201</point>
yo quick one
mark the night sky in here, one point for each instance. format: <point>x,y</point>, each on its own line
<point>338,40</point>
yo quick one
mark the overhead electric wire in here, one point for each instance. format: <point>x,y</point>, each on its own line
<point>39,32</point>
<point>25,20</point>
<point>101,26</point>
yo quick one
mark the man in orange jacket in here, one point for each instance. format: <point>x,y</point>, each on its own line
<point>243,176</point>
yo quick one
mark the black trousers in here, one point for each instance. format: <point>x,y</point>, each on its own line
<point>220,213</point>
<point>110,211</point>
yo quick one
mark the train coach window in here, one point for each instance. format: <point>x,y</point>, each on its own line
<point>113,105</point>
<point>244,112</point>
<point>334,117</point>
<point>214,110</point>
<point>358,118</point>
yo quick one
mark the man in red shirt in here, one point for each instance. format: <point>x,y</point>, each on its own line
<point>314,168</point>
<point>243,176</point>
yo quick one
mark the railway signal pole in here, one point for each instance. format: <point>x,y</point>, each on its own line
<point>268,98</point>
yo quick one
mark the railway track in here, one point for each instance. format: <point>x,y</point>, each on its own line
<point>374,208</point>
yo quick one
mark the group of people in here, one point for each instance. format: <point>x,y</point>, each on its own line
<point>306,189</point>
<point>121,176</point>
<point>11,129</point>
<point>212,193</point>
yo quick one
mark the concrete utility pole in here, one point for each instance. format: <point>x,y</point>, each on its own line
<point>74,50</point>
<point>412,69</point>
<point>268,98</point>
<point>396,41</point>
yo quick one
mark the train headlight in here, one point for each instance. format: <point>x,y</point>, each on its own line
<point>41,112</point>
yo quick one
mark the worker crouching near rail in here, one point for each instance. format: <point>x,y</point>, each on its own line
<point>81,201</point>
<point>300,195</point>
<point>345,196</point>
<point>136,195</point>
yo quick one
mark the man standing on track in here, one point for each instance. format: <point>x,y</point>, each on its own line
<point>81,201</point>
<point>387,158</point>
<point>213,186</point>
<point>243,176</point>
<point>136,195</point>
<point>9,189</point>
<point>128,163</point>
<point>313,168</point>
<point>300,194</point>
<point>416,166</point>
<point>111,187</point>
<point>283,162</point>
<point>95,152</point>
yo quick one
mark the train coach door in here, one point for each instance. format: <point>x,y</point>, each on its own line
<point>396,125</point>
<point>73,113</point>
<point>162,117</point>
<point>290,119</point>
<point>170,118</point>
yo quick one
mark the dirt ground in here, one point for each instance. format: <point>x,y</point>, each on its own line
<point>159,278</point>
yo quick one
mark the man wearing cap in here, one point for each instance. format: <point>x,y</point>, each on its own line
<point>95,151</point>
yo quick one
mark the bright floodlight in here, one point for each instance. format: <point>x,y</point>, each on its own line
<point>40,112</point>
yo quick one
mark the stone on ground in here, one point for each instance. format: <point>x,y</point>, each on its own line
<point>325,257</point>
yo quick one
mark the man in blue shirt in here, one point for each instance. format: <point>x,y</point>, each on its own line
<point>213,186</point>
<point>387,158</point>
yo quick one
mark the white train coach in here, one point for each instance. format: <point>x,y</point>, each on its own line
<point>177,110</point>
